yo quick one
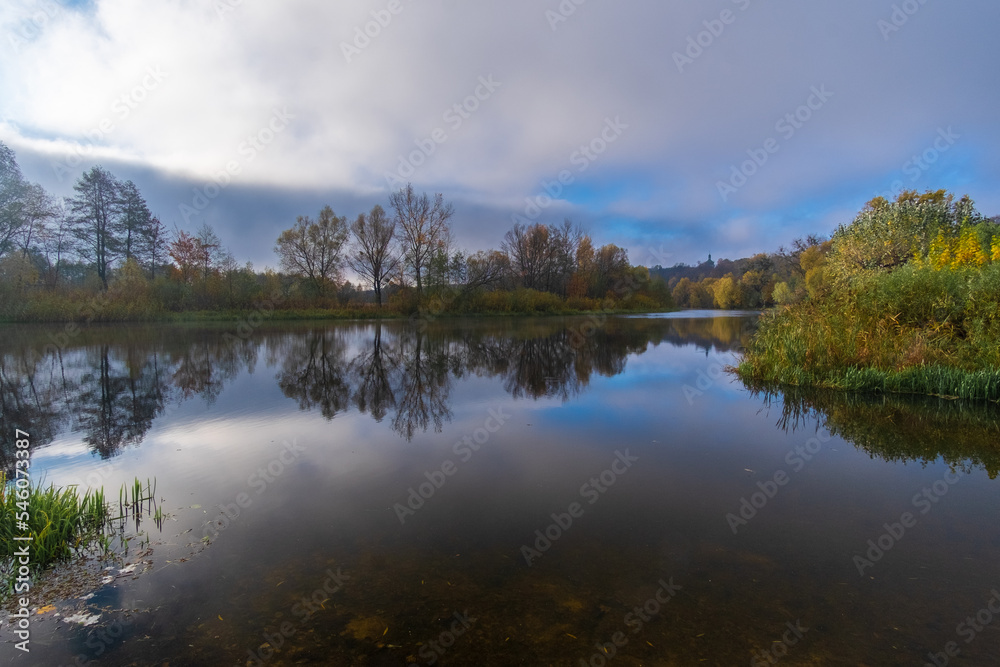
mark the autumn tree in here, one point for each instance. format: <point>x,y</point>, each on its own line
<point>186,253</point>
<point>374,256</point>
<point>313,249</point>
<point>423,228</point>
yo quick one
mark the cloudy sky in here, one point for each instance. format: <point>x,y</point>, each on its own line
<point>673,128</point>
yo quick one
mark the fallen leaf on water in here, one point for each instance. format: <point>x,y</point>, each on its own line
<point>220,617</point>
<point>47,608</point>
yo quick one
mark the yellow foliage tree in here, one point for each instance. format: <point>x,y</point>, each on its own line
<point>969,251</point>
<point>940,254</point>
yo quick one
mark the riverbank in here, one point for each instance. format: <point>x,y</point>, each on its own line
<point>916,330</point>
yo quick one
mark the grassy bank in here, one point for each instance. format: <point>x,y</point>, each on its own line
<point>60,308</point>
<point>915,330</point>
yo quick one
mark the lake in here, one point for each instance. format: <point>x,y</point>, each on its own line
<point>551,491</point>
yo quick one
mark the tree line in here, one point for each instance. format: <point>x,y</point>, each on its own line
<point>105,243</point>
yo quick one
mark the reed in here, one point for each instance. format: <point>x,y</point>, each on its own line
<point>61,521</point>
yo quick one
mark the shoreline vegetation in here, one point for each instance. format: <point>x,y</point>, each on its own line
<point>908,302</point>
<point>63,522</point>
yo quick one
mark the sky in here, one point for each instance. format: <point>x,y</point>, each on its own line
<point>675,129</point>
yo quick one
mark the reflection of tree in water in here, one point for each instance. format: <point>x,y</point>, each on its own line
<point>424,385</point>
<point>314,369</point>
<point>374,370</point>
<point>32,398</point>
<point>116,404</point>
<point>897,427</point>
<point>111,383</point>
<point>107,384</point>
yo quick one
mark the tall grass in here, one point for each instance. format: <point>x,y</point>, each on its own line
<point>915,330</point>
<point>61,521</point>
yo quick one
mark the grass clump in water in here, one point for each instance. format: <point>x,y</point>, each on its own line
<point>61,521</point>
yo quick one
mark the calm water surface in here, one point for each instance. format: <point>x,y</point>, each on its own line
<point>522,492</point>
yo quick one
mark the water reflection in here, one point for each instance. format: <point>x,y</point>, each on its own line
<point>898,428</point>
<point>353,395</point>
<point>110,384</point>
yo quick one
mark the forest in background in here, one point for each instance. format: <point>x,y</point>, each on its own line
<point>102,255</point>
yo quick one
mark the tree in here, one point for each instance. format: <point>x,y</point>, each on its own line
<point>12,185</point>
<point>423,227</point>
<point>96,209</point>
<point>55,241</point>
<point>312,248</point>
<point>186,253</point>
<point>154,247</point>
<point>135,219</point>
<point>486,269</point>
<point>727,292</point>
<point>38,207</point>
<point>374,256</point>
<point>210,251</point>
<point>610,266</point>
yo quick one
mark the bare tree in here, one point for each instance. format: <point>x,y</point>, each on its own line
<point>312,249</point>
<point>210,250</point>
<point>374,257</point>
<point>486,269</point>
<point>154,245</point>
<point>56,241</point>
<point>423,227</point>
<point>38,207</point>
